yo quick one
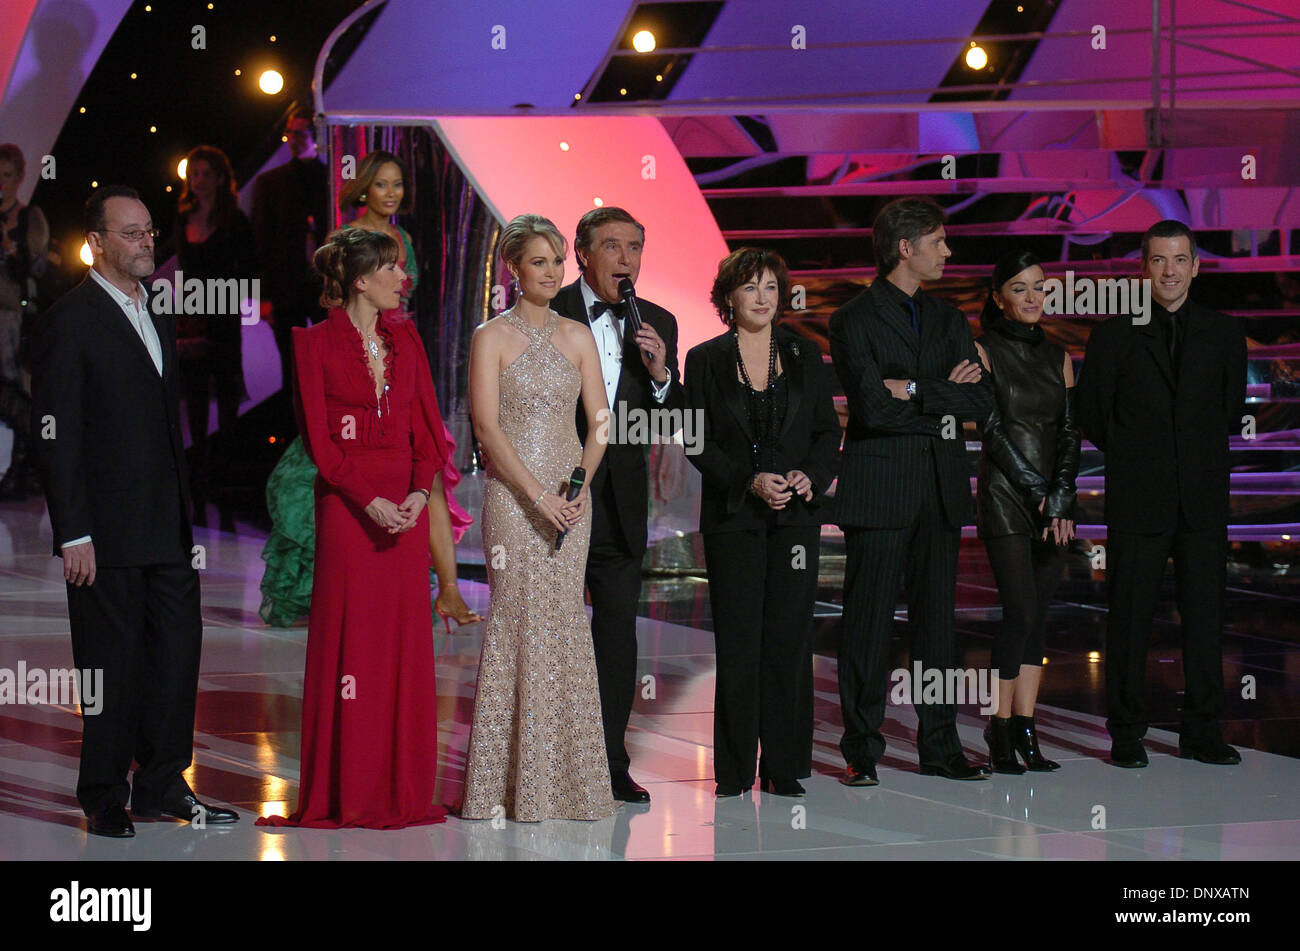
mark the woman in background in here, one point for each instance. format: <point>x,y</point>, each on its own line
<point>214,240</point>
<point>1025,495</point>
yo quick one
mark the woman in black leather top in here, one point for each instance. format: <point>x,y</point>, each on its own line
<point>1025,495</point>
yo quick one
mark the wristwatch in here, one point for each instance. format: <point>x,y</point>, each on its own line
<point>911,389</point>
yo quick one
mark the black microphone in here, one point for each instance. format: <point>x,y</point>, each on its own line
<point>575,486</point>
<point>628,293</point>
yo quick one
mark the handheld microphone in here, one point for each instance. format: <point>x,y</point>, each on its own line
<point>576,482</point>
<point>628,293</point>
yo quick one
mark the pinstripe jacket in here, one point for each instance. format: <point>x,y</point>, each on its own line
<point>892,446</point>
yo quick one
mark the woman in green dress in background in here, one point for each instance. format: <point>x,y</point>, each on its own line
<point>378,192</point>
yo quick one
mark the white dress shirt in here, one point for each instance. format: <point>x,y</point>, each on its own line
<point>608,331</point>
<point>136,310</point>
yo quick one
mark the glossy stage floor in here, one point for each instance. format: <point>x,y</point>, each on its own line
<point>246,743</point>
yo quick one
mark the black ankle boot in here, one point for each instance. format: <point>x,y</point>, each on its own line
<point>1025,740</point>
<point>1002,757</point>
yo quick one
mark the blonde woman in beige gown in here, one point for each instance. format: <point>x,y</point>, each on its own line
<point>537,749</point>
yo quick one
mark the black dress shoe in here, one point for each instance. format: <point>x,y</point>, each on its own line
<point>860,774</point>
<point>1128,754</point>
<point>1213,751</point>
<point>782,788</point>
<point>725,791</point>
<point>111,822</point>
<point>626,789</point>
<point>955,768</point>
<point>187,808</point>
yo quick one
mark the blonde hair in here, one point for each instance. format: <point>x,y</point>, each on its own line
<point>348,254</point>
<point>516,235</point>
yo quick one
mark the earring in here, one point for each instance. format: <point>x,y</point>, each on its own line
<point>731,314</point>
<point>362,200</point>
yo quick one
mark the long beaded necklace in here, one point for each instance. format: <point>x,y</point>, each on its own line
<point>754,397</point>
<point>370,345</point>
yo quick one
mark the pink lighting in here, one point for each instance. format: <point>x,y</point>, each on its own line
<point>628,161</point>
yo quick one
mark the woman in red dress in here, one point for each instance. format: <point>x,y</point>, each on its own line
<point>369,418</point>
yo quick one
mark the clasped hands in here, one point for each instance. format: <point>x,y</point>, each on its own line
<point>1062,529</point>
<point>397,518</point>
<point>561,512</point>
<point>968,371</point>
<point>776,490</point>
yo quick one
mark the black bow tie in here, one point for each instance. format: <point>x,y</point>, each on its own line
<point>618,310</point>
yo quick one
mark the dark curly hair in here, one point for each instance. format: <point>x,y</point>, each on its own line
<point>739,268</point>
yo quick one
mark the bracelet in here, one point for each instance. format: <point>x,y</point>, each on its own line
<point>538,501</point>
<point>427,496</point>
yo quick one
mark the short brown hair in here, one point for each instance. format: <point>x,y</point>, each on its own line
<point>739,268</point>
<point>907,219</point>
<point>353,194</point>
<point>592,220</point>
<point>347,254</point>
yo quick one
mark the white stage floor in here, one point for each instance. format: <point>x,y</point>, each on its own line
<point>246,749</point>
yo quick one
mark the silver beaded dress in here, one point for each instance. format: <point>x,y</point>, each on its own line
<point>537,748</point>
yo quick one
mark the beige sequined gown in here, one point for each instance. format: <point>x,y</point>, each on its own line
<point>537,748</point>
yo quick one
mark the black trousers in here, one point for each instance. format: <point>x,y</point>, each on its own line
<point>141,626</point>
<point>922,557</point>
<point>1135,568</point>
<point>762,584</point>
<point>614,581</point>
<point>1027,571</point>
<point>198,380</point>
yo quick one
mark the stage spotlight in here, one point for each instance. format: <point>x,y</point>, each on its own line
<point>598,202</point>
<point>86,257</point>
<point>643,41</point>
<point>181,166</point>
<point>564,146</point>
<point>1094,657</point>
<point>270,82</point>
<point>976,58</point>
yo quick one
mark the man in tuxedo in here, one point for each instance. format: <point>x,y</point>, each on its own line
<point>105,404</point>
<point>1160,398</point>
<point>290,221</point>
<point>909,369</point>
<point>640,372</point>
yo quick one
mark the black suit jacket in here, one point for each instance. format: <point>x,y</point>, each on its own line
<point>624,464</point>
<point>892,446</point>
<point>114,468</point>
<point>1165,438</point>
<point>283,198</point>
<point>809,439</point>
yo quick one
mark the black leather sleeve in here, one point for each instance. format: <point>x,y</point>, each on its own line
<point>1011,460</point>
<point>1061,494</point>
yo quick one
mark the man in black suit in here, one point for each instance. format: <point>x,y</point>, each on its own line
<point>908,366</point>
<point>1160,397</point>
<point>290,220</point>
<point>105,404</point>
<point>640,372</point>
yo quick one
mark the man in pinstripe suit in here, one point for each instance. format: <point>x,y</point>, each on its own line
<point>908,366</point>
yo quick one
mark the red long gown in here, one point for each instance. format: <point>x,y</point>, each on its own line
<point>369,717</point>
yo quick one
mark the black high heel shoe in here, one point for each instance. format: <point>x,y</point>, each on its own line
<point>786,788</point>
<point>1025,740</point>
<point>1002,755</point>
